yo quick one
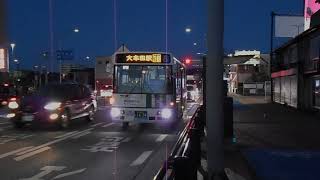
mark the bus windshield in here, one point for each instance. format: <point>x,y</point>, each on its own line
<point>140,79</point>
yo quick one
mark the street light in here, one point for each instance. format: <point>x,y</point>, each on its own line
<point>12,46</point>
<point>87,58</point>
<point>195,44</point>
<point>188,30</point>
<point>75,30</point>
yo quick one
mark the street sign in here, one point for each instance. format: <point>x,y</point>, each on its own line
<point>64,55</point>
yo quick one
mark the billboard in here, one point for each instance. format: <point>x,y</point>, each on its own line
<point>288,26</point>
<point>310,7</point>
<point>4,65</point>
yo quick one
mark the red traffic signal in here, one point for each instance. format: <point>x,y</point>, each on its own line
<point>188,61</point>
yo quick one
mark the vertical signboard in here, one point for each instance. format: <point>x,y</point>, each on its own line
<point>310,7</point>
<point>4,64</point>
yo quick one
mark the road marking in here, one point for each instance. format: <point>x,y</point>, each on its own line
<point>53,142</point>
<point>66,134</point>
<point>27,136</point>
<point>161,137</point>
<point>69,173</point>
<point>45,171</point>
<point>140,160</point>
<point>97,124</point>
<point>19,158</point>
<point>14,152</point>
<point>127,139</point>
<point>80,135</point>
<point>5,128</point>
<point>4,123</point>
<point>107,125</point>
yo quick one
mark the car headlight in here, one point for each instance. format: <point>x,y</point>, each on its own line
<point>13,105</point>
<point>115,112</point>
<point>166,113</point>
<point>52,106</point>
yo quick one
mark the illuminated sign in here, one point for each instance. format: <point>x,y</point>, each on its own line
<point>142,58</point>
<point>3,59</point>
<point>310,7</point>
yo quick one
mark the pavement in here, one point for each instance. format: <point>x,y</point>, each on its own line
<point>276,141</point>
<point>98,150</point>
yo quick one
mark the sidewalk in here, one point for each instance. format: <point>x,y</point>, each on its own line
<point>278,142</point>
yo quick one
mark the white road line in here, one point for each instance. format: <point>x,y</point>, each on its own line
<point>5,128</point>
<point>140,160</point>
<point>14,152</point>
<point>97,124</point>
<point>25,137</point>
<point>80,135</point>
<point>66,134</point>
<point>161,137</point>
<point>127,139</point>
<point>107,125</point>
<point>19,158</point>
<point>4,123</point>
<point>70,173</point>
<point>52,142</point>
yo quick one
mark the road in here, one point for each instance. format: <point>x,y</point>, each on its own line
<point>98,150</point>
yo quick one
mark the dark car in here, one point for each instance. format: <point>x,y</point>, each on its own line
<point>55,104</point>
<point>7,92</point>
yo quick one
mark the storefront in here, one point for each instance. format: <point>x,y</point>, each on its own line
<point>285,87</point>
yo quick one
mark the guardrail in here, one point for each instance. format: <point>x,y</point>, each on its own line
<point>185,158</point>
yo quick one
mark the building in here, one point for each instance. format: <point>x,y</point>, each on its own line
<point>104,71</point>
<point>247,73</point>
<point>296,71</point>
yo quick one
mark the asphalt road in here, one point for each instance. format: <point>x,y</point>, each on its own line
<point>100,150</point>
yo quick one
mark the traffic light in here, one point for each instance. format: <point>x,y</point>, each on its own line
<point>188,61</point>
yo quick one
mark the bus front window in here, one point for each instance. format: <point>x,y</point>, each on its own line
<point>143,79</point>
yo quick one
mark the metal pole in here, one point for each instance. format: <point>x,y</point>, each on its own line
<point>214,93</point>
<point>271,53</point>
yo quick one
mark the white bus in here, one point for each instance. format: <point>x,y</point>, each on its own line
<point>148,87</point>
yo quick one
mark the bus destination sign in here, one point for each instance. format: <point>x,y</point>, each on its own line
<point>142,58</point>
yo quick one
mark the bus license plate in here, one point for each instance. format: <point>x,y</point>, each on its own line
<point>141,114</point>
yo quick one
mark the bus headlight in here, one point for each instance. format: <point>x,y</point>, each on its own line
<point>166,113</point>
<point>115,112</point>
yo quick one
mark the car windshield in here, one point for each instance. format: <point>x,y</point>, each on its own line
<point>190,88</point>
<point>58,91</point>
<point>143,79</point>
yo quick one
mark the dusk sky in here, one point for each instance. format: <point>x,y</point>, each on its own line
<point>141,25</point>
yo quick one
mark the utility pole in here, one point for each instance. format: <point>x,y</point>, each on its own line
<point>214,96</point>
<point>3,30</point>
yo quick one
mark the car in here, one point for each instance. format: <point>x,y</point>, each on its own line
<point>54,104</point>
<point>7,92</point>
<point>192,93</point>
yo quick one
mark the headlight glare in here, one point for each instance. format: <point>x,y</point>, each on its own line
<point>115,112</point>
<point>166,113</point>
<point>52,106</point>
<point>13,105</point>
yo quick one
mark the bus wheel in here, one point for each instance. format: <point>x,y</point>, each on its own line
<point>125,125</point>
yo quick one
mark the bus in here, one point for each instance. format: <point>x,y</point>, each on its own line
<point>148,87</point>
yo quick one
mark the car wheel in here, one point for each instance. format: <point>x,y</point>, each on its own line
<point>18,125</point>
<point>65,120</point>
<point>125,125</point>
<point>90,116</point>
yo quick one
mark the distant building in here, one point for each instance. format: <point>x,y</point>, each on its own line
<point>104,71</point>
<point>247,74</point>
